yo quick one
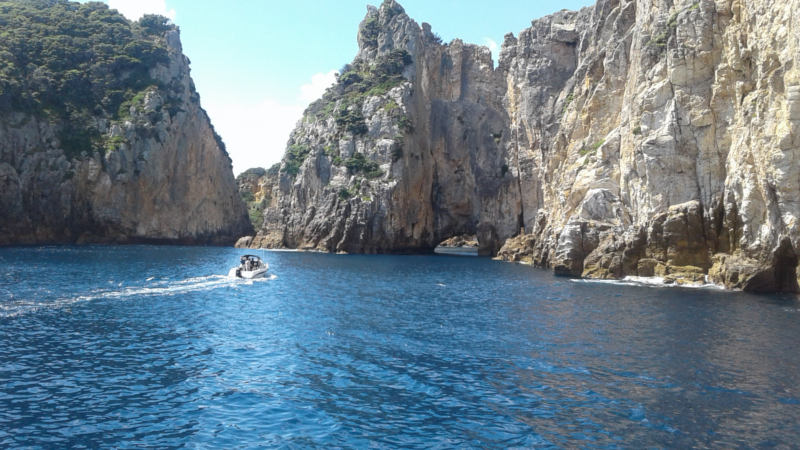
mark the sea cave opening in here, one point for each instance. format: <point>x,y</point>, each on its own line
<point>461,244</point>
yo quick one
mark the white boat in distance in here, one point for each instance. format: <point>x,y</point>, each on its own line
<point>250,267</point>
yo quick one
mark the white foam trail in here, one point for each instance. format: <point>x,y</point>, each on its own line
<point>656,282</point>
<point>171,288</point>
<point>160,288</point>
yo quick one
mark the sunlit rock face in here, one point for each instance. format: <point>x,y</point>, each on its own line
<point>628,138</point>
<point>163,175</point>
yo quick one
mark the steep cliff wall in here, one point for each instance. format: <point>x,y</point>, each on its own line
<point>156,172</point>
<point>671,149</point>
<point>634,137</point>
<point>403,153</point>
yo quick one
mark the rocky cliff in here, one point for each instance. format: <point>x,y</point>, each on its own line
<point>634,137</point>
<point>141,163</point>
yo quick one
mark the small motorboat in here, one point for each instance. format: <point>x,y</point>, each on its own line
<point>250,267</point>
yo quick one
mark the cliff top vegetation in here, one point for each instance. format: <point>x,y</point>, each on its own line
<point>73,62</point>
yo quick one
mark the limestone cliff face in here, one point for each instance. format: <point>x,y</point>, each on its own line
<point>434,143</point>
<point>163,176</point>
<point>671,148</point>
<point>635,137</point>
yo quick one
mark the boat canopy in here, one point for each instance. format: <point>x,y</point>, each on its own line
<point>250,258</point>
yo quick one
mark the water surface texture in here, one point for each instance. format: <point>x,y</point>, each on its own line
<point>155,346</point>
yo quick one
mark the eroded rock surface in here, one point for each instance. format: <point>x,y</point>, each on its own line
<point>628,138</point>
<point>163,176</point>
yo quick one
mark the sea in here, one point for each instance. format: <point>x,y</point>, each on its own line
<point>152,346</point>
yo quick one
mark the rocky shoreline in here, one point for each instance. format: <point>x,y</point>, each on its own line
<point>624,139</point>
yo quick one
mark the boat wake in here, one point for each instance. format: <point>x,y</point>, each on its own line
<point>12,307</point>
<point>655,282</point>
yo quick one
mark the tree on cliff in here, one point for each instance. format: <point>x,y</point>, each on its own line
<point>73,62</point>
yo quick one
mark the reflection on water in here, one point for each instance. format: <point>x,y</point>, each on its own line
<point>154,346</point>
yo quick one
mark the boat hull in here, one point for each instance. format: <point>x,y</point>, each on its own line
<point>248,274</point>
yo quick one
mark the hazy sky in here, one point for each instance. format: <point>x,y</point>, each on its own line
<point>258,63</point>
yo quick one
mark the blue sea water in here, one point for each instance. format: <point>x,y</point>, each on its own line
<point>155,346</point>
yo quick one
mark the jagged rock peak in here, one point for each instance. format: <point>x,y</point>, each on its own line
<point>630,138</point>
<point>386,28</point>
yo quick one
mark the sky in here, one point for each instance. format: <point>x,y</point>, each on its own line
<point>257,64</point>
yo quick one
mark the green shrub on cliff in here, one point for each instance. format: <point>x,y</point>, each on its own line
<point>359,163</point>
<point>256,214</point>
<point>114,143</point>
<point>591,150</point>
<point>345,194</point>
<point>344,102</point>
<point>391,64</point>
<point>405,124</point>
<point>352,120</point>
<point>247,197</point>
<point>370,30</point>
<point>155,25</point>
<point>660,40</point>
<point>295,155</point>
<point>274,169</point>
<point>74,63</point>
<point>356,82</point>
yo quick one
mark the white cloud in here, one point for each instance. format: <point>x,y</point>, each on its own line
<point>135,9</point>
<point>493,47</point>
<point>255,134</point>
<point>314,90</point>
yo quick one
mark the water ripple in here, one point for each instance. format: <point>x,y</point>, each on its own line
<point>378,351</point>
